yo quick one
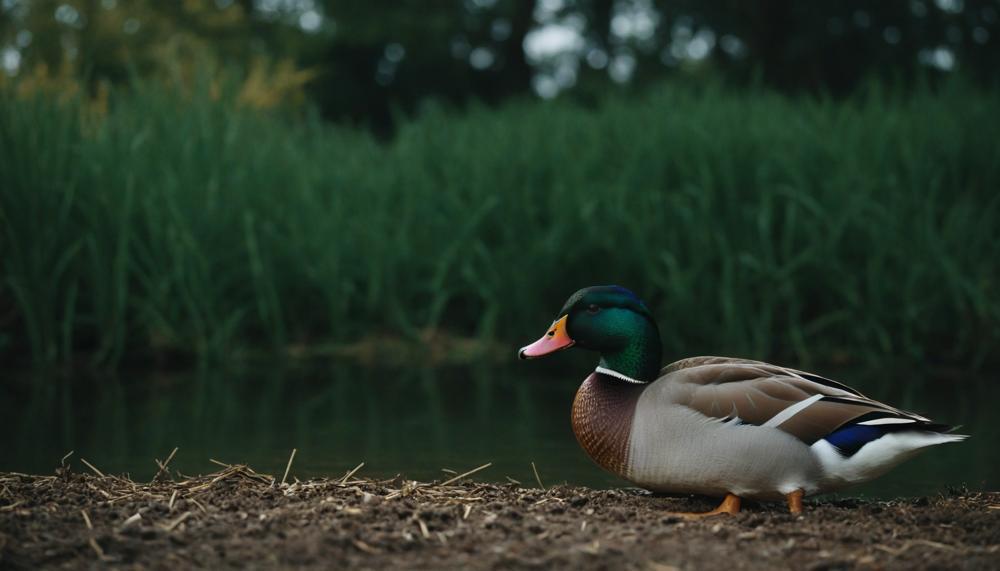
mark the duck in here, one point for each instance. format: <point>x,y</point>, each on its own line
<point>722,427</point>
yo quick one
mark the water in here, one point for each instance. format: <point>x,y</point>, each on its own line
<point>412,422</point>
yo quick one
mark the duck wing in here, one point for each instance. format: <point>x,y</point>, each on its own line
<point>807,406</point>
<point>712,360</point>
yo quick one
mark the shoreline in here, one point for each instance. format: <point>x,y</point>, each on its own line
<point>238,517</point>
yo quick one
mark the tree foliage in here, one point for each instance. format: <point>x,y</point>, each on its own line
<point>367,61</point>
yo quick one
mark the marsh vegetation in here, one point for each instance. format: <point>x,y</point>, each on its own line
<point>183,226</point>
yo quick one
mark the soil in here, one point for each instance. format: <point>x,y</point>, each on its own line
<point>239,518</point>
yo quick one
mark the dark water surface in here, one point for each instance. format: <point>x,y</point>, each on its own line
<point>413,422</point>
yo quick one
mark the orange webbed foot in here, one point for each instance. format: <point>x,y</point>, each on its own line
<point>730,506</point>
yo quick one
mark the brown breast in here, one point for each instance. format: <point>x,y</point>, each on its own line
<point>602,419</point>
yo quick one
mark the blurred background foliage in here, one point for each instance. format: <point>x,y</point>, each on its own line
<point>210,178</point>
<point>367,62</point>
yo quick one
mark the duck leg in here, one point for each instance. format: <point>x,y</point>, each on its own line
<point>730,505</point>
<point>794,502</point>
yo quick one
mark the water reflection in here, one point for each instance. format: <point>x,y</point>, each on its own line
<point>413,422</point>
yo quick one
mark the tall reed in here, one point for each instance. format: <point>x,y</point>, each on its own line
<point>753,223</point>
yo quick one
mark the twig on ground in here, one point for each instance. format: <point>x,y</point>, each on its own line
<point>163,465</point>
<point>910,543</point>
<point>537,477</point>
<point>97,549</point>
<point>466,474</point>
<point>351,473</point>
<point>170,526</point>
<point>92,467</point>
<point>132,519</point>
<point>934,544</point>
<point>288,466</point>
<point>361,545</point>
<point>197,503</point>
<point>423,528</point>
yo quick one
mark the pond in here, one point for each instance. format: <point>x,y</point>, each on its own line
<point>414,422</point>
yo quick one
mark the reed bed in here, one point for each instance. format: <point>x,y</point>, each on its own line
<point>801,228</point>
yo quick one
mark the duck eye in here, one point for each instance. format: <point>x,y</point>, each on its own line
<point>592,308</point>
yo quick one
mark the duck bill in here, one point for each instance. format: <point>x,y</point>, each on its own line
<point>555,339</point>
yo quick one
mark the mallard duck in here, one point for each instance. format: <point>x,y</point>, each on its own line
<point>719,426</point>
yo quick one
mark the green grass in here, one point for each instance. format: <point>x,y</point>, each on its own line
<point>755,224</point>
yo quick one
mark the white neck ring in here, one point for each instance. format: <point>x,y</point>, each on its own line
<point>617,375</point>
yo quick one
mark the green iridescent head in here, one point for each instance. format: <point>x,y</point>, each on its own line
<point>610,320</point>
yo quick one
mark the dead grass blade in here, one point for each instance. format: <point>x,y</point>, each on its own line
<point>289,466</point>
<point>163,465</point>
<point>466,474</point>
<point>92,467</point>
<point>351,473</point>
<point>537,477</point>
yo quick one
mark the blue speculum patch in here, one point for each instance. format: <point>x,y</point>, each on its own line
<point>850,439</point>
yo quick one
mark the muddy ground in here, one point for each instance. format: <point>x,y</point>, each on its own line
<point>239,518</point>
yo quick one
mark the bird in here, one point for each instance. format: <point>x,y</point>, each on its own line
<point>720,426</point>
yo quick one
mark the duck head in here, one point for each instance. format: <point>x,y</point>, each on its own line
<point>612,321</point>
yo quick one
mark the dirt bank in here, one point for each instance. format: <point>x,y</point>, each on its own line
<point>239,518</point>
